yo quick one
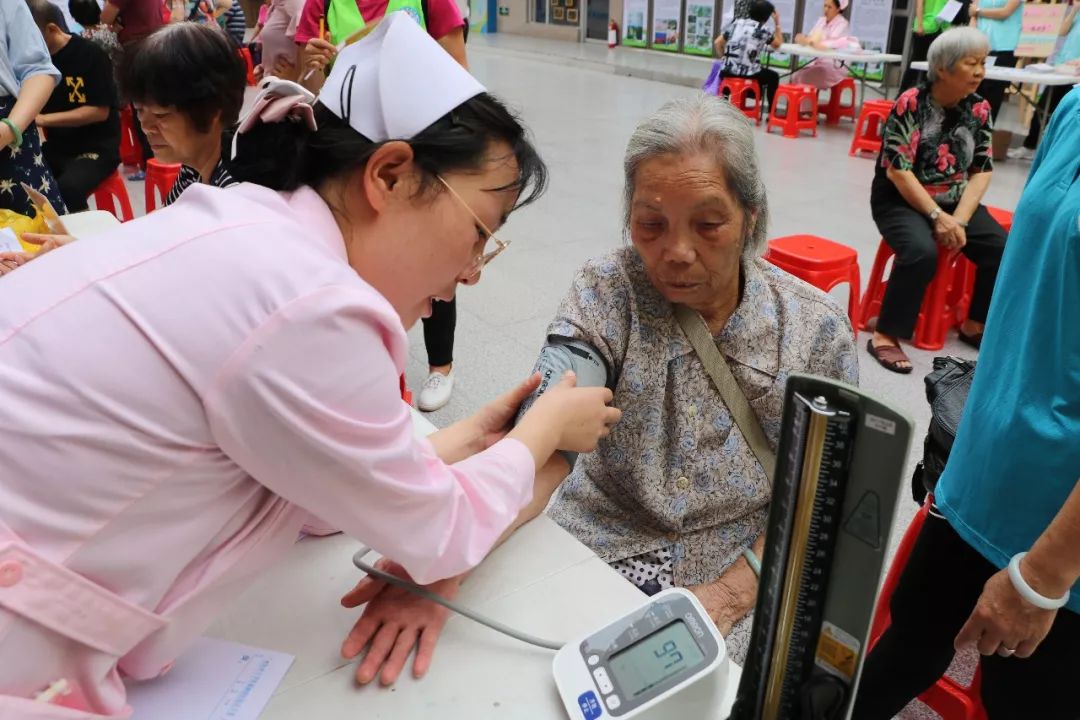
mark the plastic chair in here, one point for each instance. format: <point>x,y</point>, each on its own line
<point>160,177</point>
<point>795,118</point>
<point>1003,217</point>
<point>406,394</point>
<point>130,150</point>
<point>835,108</point>
<point>940,309</point>
<point>739,91</point>
<point>948,698</point>
<point>249,63</point>
<point>820,262</point>
<point>111,196</point>
<point>870,126</point>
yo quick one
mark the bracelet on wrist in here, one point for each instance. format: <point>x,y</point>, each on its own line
<point>16,133</point>
<point>1028,593</point>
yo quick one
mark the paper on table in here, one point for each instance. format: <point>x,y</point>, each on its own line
<point>949,12</point>
<point>214,680</point>
<point>9,242</point>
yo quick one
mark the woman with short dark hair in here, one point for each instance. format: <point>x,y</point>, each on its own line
<point>187,84</point>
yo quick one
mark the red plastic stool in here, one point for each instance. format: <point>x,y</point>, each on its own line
<point>795,119</point>
<point>835,109</point>
<point>406,394</point>
<point>739,91</point>
<point>160,177</point>
<point>112,188</point>
<point>130,150</point>
<point>948,698</point>
<point>820,262</point>
<point>1003,217</point>
<point>870,126</point>
<point>938,312</point>
<point>249,63</point>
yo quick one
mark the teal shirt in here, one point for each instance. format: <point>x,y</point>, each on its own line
<point>1017,453</point>
<point>1070,49</point>
<point>1003,34</point>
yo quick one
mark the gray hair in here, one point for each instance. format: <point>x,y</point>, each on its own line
<point>705,124</point>
<point>951,47</point>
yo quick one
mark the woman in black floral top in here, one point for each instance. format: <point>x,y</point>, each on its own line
<point>933,170</point>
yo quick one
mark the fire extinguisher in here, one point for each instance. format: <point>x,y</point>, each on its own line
<point>612,34</point>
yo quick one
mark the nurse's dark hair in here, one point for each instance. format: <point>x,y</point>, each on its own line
<point>286,155</point>
<point>188,66</point>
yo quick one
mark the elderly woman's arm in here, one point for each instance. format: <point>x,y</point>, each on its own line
<point>730,597</point>
<point>973,195</point>
<point>995,13</point>
<point>947,230</point>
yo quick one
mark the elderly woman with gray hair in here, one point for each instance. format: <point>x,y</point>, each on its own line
<point>676,494</point>
<point>934,167</point>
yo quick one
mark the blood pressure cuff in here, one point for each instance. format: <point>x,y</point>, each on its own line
<point>557,357</point>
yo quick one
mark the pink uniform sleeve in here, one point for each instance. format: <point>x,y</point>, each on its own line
<point>443,18</point>
<point>307,27</point>
<point>309,405</point>
<point>836,34</point>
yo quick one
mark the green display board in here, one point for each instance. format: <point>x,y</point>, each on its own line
<point>635,17</point>
<point>700,21</point>
<point>665,25</point>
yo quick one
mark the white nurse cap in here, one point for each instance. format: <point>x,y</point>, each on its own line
<point>396,81</point>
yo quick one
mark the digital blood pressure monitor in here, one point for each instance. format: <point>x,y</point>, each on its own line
<point>664,660</point>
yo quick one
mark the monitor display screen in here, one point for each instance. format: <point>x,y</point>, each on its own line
<point>668,652</point>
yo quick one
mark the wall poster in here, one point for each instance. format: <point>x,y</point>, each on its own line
<point>870,21</point>
<point>666,18</point>
<point>699,28</point>
<point>635,15</point>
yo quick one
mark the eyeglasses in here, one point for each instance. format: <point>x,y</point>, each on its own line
<point>484,258</point>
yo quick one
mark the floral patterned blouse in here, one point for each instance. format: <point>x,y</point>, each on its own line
<point>942,146</point>
<point>676,475</point>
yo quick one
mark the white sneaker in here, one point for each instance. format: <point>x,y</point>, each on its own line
<point>1021,153</point>
<point>436,391</point>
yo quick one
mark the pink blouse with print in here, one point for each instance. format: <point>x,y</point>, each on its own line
<point>178,397</point>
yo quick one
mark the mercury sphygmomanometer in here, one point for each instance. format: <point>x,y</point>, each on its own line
<point>838,467</point>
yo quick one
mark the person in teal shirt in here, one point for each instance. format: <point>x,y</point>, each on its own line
<point>1011,486</point>
<point>1000,21</point>
<point>1069,54</point>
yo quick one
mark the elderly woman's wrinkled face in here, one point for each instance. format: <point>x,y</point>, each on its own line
<point>964,77</point>
<point>173,136</point>
<point>689,230</point>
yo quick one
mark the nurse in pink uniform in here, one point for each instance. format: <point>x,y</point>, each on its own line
<point>180,396</point>
<point>830,32</point>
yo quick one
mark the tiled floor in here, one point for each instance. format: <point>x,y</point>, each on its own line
<point>582,102</point>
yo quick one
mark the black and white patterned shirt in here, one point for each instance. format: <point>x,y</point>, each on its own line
<point>746,43</point>
<point>190,176</point>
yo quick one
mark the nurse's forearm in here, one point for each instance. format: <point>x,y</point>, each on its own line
<point>1052,566</point>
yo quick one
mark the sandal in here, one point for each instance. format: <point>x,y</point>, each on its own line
<point>889,357</point>
<point>974,340</point>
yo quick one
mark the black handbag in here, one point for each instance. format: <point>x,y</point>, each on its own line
<point>947,390</point>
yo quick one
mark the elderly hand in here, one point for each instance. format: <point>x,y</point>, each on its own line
<point>318,53</point>
<point>393,623</point>
<point>722,603</point>
<point>801,39</point>
<point>45,242</point>
<point>949,233</point>
<point>284,68</point>
<point>1003,622</point>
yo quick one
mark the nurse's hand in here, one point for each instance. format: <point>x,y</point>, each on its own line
<point>392,624</point>
<point>13,260</point>
<point>493,420</point>
<point>580,417</point>
<point>47,242</point>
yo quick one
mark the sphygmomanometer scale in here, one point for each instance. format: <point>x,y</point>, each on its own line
<point>839,464</point>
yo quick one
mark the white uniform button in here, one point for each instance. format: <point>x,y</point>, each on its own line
<point>692,411</point>
<point>613,702</point>
<point>602,681</point>
<point>672,537</point>
<point>593,659</point>
<point>682,483</point>
<point>10,573</point>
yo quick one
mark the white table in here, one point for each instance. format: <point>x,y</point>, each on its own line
<point>541,580</point>
<point>1020,76</point>
<point>846,58</point>
<point>90,222</point>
